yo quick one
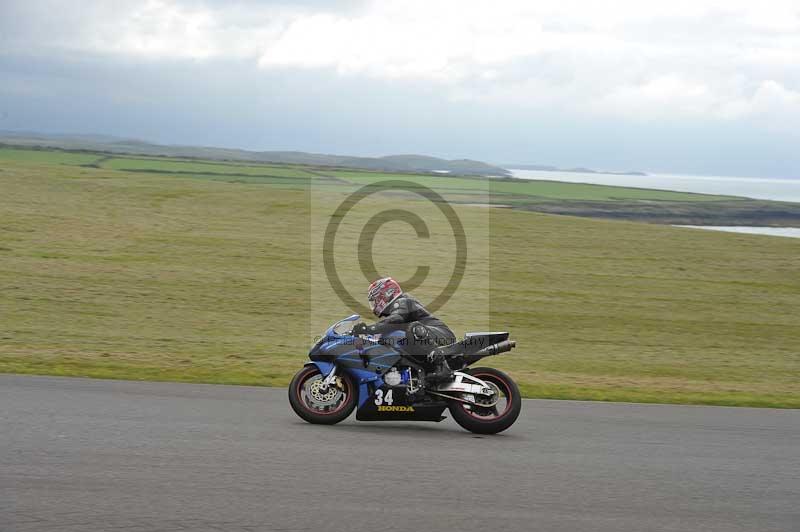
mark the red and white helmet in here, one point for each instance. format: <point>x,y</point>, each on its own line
<point>381,293</point>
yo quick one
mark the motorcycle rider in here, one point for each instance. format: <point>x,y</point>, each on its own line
<point>401,311</point>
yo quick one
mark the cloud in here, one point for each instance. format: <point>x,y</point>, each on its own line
<point>151,29</point>
<point>460,72</point>
<point>675,98</point>
<point>772,98</point>
<point>701,59</point>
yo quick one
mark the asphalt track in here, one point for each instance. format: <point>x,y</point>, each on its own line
<point>91,455</point>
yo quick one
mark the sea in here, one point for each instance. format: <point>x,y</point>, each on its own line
<point>749,187</point>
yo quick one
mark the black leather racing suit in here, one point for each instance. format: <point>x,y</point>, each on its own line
<point>424,331</point>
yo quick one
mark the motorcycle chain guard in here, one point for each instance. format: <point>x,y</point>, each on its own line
<point>464,383</point>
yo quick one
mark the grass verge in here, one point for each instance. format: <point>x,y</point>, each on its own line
<point>115,274</point>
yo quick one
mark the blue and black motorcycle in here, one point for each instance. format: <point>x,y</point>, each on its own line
<point>386,383</point>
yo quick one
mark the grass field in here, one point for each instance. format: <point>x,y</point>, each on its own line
<point>207,168</point>
<point>198,277</point>
<point>532,189</point>
<point>507,190</point>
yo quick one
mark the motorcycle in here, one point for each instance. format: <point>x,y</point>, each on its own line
<point>383,382</point>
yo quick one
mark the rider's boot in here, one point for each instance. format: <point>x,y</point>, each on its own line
<point>440,373</point>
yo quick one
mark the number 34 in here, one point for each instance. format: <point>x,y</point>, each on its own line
<point>380,398</point>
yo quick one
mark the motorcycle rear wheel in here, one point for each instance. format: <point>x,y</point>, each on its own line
<point>305,399</point>
<point>489,420</point>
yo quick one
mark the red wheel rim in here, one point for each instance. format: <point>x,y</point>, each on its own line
<point>494,414</point>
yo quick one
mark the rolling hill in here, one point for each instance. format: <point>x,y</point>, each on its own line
<point>390,163</point>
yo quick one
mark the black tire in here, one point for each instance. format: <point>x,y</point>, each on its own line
<point>492,424</point>
<point>299,400</point>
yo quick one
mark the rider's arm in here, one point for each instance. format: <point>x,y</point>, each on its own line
<point>398,314</point>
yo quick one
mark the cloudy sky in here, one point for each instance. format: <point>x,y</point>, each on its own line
<point>688,86</point>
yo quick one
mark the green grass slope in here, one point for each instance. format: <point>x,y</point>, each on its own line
<point>110,273</point>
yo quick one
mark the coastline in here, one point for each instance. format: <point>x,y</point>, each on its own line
<point>771,189</point>
<point>738,208</point>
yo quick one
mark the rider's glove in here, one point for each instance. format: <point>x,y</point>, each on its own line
<point>359,329</point>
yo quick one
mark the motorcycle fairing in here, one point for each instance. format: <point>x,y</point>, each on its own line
<point>366,366</point>
<point>372,355</point>
<point>361,376</point>
<point>368,385</point>
<point>402,407</point>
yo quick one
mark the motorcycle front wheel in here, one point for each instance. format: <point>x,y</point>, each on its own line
<point>321,405</point>
<point>498,415</point>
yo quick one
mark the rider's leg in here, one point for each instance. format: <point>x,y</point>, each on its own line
<point>431,338</point>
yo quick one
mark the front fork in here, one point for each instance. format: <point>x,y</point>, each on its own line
<point>328,379</point>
